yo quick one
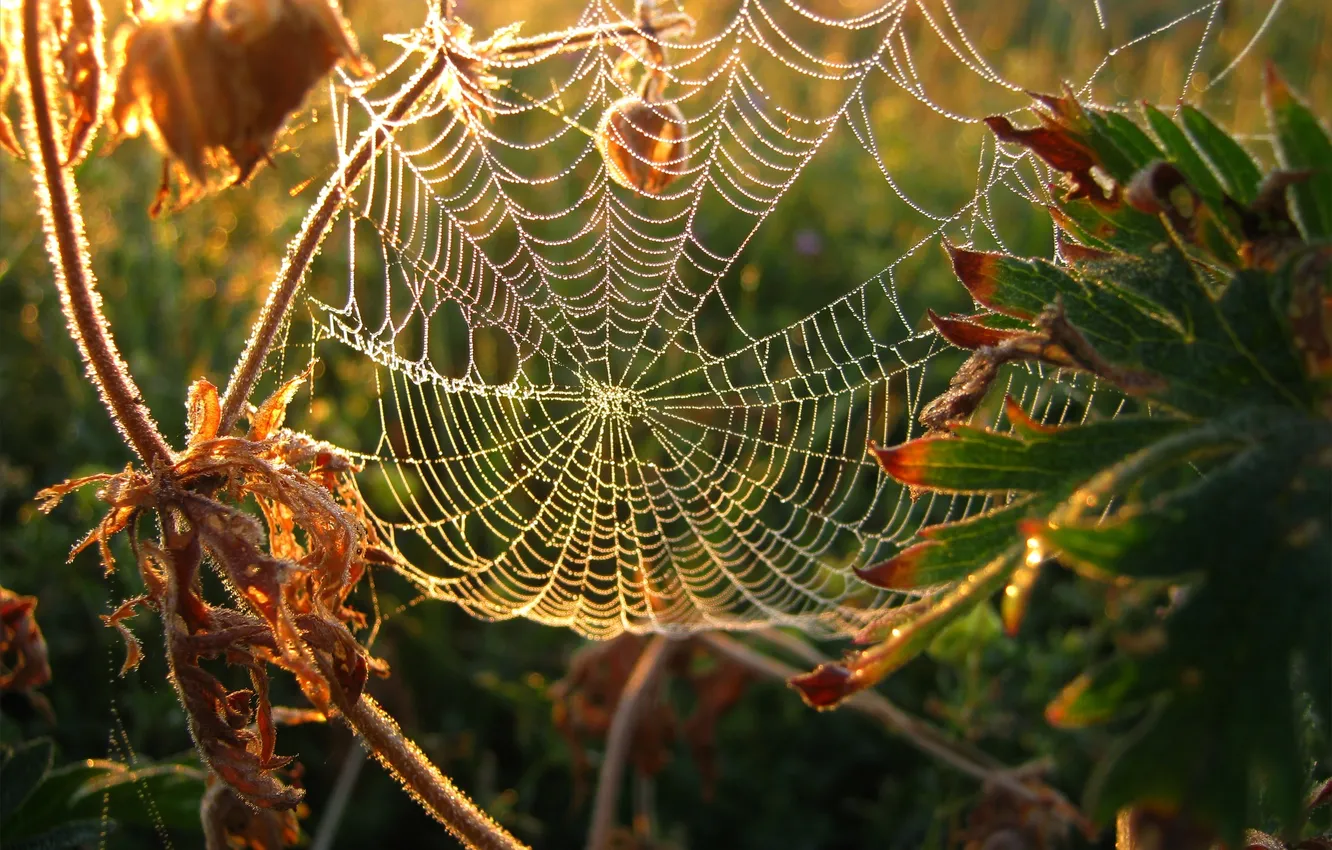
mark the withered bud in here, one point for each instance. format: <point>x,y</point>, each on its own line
<point>222,77</point>
<point>644,144</point>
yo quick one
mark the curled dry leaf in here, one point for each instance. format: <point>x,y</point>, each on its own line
<point>212,84</point>
<point>83,65</point>
<point>9,41</point>
<point>291,579</point>
<point>23,661</point>
<point>585,701</point>
<point>229,822</point>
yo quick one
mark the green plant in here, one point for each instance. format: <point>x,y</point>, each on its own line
<point>1197,286</point>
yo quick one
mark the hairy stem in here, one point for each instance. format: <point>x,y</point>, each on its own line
<point>304,246</point>
<point>58,202</point>
<point>431,788</point>
<point>540,46</point>
<point>306,243</point>
<point>618,738</point>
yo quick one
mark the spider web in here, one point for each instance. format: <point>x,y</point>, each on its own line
<point>588,416</point>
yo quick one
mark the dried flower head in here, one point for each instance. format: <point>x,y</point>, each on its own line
<point>644,144</point>
<point>215,82</point>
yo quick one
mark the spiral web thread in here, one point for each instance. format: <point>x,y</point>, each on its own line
<point>569,423</point>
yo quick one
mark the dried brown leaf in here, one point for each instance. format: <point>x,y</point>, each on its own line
<point>83,63</point>
<point>133,649</point>
<point>273,412</point>
<point>203,410</point>
<point>23,657</point>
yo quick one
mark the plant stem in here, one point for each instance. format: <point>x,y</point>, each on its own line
<point>431,788</point>
<point>57,198</point>
<point>304,246</point>
<point>541,46</point>
<point>919,733</point>
<point>306,243</point>
<point>336,805</point>
<point>618,739</point>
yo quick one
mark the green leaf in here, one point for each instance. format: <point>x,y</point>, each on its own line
<point>1183,156</point>
<point>973,460</point>
<point>967,634</point>
<point>175,790</point>
<point>77,790</point>
<point>1230,161</point>
<point>1095,697</point>
<point>830,684</point>
<point>1302,144</point>
<point>1134,148</point>
<point>950,551</point>
<point>22,772</point>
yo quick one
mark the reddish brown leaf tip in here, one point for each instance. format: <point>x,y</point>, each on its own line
<point>825,687</point>
<point>908,462</point>
<point>1022,421</point>
<point>1074,252</point>
<point>975,269</point>
<point>1274,86</point>
<point>896,573</point>
<point>969,335</point>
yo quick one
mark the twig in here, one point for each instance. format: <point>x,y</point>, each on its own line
<point>582,38</point>
<point>303,247</point>
<point>618,740</point>
<point>306,243</point>
<point>65,243</point>
<point>431,788</point>
<point>331,818</point>
<point>919,733</point>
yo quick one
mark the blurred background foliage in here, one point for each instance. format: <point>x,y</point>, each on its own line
<point>181,291</point>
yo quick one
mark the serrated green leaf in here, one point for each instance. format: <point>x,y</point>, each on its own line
<point>1227,158</point>
<point>973,460</point>
<point>913,638</point>
<point>1259,325</point>
<point>1117,228</point>
<point>1096,696</point>
<point>1135,147</point>
<point>22,772</point>
<point>948,552</point>
<point>831,683</point>
<point>1183,156</point>
<point>1302,144</point>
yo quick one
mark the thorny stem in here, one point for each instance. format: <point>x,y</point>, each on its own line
<point>82,304</point>
<point>919,733</point>
<point>618,739</point>
<point>431,788</point>
<point>305,244</point>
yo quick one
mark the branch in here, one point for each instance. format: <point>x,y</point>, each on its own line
<point>336,806</point>
<point>57,197</point>
<point>431,788</point>
<point>618,740</point>
<point>917,732</point>
<point>306,243</point>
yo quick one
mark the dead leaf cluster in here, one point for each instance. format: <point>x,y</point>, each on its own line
<point>213,84</point>
<point>586,699</point>
<point>290,581</point>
